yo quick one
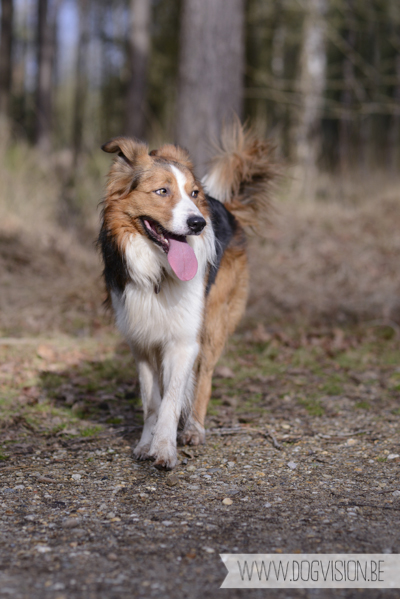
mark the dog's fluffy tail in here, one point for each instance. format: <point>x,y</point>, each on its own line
<point>241,174</point>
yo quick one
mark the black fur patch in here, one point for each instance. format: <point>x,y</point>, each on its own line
<point>225,226</point>
<point>115,272</point>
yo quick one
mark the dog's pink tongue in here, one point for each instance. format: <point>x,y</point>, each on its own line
<point>182,259</point>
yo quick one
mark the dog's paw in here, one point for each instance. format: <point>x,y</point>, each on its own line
<point>193,434</point>
<point>142,451</point>
<point>164,455</point>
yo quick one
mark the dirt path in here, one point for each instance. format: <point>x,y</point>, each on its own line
<point>303,439</point>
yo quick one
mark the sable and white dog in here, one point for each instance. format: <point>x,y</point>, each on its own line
<point>176,272</point>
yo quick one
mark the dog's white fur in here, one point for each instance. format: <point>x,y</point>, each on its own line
<point>162,329</point>
<point>184,208</point>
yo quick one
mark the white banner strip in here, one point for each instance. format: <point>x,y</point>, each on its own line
<point>312,571</point>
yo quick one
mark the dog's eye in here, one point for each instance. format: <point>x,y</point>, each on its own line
<point>162,191</point>
<point>195,193</point>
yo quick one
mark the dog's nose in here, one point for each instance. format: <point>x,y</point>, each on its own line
<point>196,224</point>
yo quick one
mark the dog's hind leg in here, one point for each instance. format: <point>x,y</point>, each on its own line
<point>151,399</point>
<point>225,305</point>
<point>214,338</point>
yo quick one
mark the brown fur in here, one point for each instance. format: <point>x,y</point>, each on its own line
<point>133,176</point>
<point>245,171</point>
<point>174,154</point>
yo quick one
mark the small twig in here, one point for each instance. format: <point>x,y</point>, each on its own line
<point>46,479</point>
<point>227,431</point>
<point>17,467</point>
<point>362,432</point>
<point>275,443</point>
<point>235,431</point>
<point>344,435</point>
<point>187,454</point>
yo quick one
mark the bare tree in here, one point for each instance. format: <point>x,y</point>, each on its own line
<point>278,70</point>
<point>46,42</point>
<point>345,123</point>
<point>311,86</point>
<point>138,51</point>
<point>394,131</point>
<point>80,79</point>
<point>211,69</point>
<point>6,56</point>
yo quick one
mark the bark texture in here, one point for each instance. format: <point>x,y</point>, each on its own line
<point>81,79</point>
<point>6,56</point>
<point>210,88</point>
<point>311,86</point>
<point>346,125</point>
<point>139,46</point>
<point>394,131</point>
<point>46,43</point>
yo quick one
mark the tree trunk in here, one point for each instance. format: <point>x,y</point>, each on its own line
<point>211,70</point>
<point>345,124</point>
<point>311,88</point>
<point>81,80</point>
<point>278,72</point>
<point>6,56</point>
<point>46,41</point>
<point>394,131</point>
<point>138,51</point>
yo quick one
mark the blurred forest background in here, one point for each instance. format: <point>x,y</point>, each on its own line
<point>319,77</point>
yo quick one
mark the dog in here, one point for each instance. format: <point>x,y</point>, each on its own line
<point>176,273</point>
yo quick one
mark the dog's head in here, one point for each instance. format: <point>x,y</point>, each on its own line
<point>155,195</point>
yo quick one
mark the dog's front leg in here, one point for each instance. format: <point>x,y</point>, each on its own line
<point>178,363</point>
<point>151,399</point>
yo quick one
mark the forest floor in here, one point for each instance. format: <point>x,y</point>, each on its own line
<point>302,440</point>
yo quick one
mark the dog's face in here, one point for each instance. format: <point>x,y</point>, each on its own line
<point>155,195</point>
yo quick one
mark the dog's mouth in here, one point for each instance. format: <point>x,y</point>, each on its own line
<point>180,254</point>
<point>158,234</point>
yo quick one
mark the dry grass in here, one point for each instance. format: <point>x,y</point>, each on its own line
<point>29,191</point>
<point>37,190</point>
<point>333,259</point>
<point>50,273</point>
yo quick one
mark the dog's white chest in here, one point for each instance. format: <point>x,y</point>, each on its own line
<point>148,319</point>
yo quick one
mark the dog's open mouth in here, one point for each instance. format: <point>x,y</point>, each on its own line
<point>180,254</point>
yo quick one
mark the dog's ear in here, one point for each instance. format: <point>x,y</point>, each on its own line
<point>175,154</point>
<point>128,149</point>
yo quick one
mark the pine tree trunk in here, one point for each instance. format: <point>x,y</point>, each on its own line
<point>6,56</point>
<point>81,80</point>
<point>345,124</point>
<point>46,41</point>
<point>278,71</point>
<point>311,88</point>
<point>211,73</point>
<point>394,131</point>
<point>138,50</point>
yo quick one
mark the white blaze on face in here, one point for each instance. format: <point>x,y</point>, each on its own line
<point>184,208</point>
